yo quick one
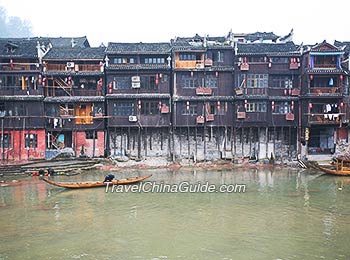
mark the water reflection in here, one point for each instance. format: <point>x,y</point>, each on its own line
<point>285,214</point>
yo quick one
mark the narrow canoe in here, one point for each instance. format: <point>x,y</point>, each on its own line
<point>81,185</point>
<point>333,171</point>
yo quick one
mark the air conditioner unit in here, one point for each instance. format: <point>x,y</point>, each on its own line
<point>135,84</point>
<point>135,78</point>
<point>132,119</point>
<point>70,64</point>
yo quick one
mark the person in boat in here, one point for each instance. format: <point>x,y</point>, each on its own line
<point>109,178</point>
<point>51,171</point>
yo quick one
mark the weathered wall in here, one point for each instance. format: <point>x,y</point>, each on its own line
<point>90,149</point>
<point>219,143</point>
<point>18,151</point>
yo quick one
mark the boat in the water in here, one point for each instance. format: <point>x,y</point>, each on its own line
<point>93,184</point>
<point>340,166</point>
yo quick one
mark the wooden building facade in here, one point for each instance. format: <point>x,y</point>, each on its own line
<point>267,89</point>
<point>195,98</point>
<point>323,97</point>
<point>203,97</point>
<point>73,82</point>
<point>21,99</point>
<point>138,78</point>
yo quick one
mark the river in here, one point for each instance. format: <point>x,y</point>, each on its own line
<point>283,214</point>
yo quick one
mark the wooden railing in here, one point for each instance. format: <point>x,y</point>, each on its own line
<point>256,91</point>
<point>189,64</point>
<point>325,118</point>
<point>76,68</point>
<point>325,90</point>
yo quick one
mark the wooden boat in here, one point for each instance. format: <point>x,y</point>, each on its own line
<point>334,171</point>
<point>341,167</point>
<point>93,184</point>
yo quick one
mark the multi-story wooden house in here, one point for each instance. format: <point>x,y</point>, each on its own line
<point>73,81</point>
<point>266,99</point>
<point>322,96</point>
<point>138,78</point>
<point>21,95</point>
<point>203,97</point>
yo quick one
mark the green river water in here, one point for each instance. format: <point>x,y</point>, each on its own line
<point>284,214</point>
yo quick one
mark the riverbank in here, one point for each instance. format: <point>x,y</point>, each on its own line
<point>78,166</point>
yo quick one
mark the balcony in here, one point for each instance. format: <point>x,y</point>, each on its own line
<point>333,118</point>
<point>58,91</point>
<point>325,90</point>
<point>256,91</point>
<point>189,64</point>
<point>256,117</point>
<point>204,91</point>
<point>18,91</point>
<point>19,67</point>
<point>325,66</point>
<point>77,68</point>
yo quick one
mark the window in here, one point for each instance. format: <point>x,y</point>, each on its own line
<point>150,108</point>
<point>218,56</point>
<point>189,56</point>
<point>282,108</point>
<point>281,82</point>
<point>124,60</point>
<point>66,110</point>
<point>211,81</point>
<point>123,109</point>
<point>192,111</point>
<point>188,81</point>
<point>90,135</point>
<point>7,141</point>
<point>257,81</point>
<point>149,60</point>
<point>122,82</point>
<point>148,82</point>
<point>31,140</point>
<point>256,107</point>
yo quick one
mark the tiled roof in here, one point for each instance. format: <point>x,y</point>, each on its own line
<point>324,47</point>
<point>198,42</point>
<point>138,48</point>
<point>68,41</point>
<point>345,45</point>
<point>22,48</point>
<point>257,36</point>
<point>74,99</point>
<point>76,53</point>
<point>267,48</point>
